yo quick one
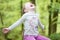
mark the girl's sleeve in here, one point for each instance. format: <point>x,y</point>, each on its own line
<point>39,22</point>
<point>18,22</point>
<point>41,25</point>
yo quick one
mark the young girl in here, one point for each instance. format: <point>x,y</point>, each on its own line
<point>31,22</point>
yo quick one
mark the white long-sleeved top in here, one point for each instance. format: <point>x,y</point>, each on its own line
<point>30,21</point>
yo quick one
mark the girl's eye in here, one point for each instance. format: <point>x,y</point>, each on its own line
<point>31,5</point>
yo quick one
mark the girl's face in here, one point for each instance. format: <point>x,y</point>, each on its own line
<point>29,6</point>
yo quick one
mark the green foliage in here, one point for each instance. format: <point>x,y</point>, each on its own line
<point>2,36</point>
<point>55,36</point>
<point>5,1</point>
<point>10,10</point>
<point>54,6</point>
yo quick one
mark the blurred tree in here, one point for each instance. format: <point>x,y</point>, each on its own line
<point>21,15</point>
<point>1,12</point>
<point>33,1</point>
<point>1,18</point>
<point>53,16</point>
<point>11,11</point>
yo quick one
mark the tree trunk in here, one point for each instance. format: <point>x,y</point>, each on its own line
<point>33,1</point>
<point>55,17</point>
<point>50,17</point>
<point>49,23</point>
<point>53,20</point>
<point>21,15</point>
<point>1,17</point>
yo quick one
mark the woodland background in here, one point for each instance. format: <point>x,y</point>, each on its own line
<point>11,11</point>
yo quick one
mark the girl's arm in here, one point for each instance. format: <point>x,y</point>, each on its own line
<point>41,25</point>
<point>17,22</point>
<point>39,22</point>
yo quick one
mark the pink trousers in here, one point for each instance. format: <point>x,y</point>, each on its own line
<point>39,37</point>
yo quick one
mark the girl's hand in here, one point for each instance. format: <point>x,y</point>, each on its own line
<point>5,30</point>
